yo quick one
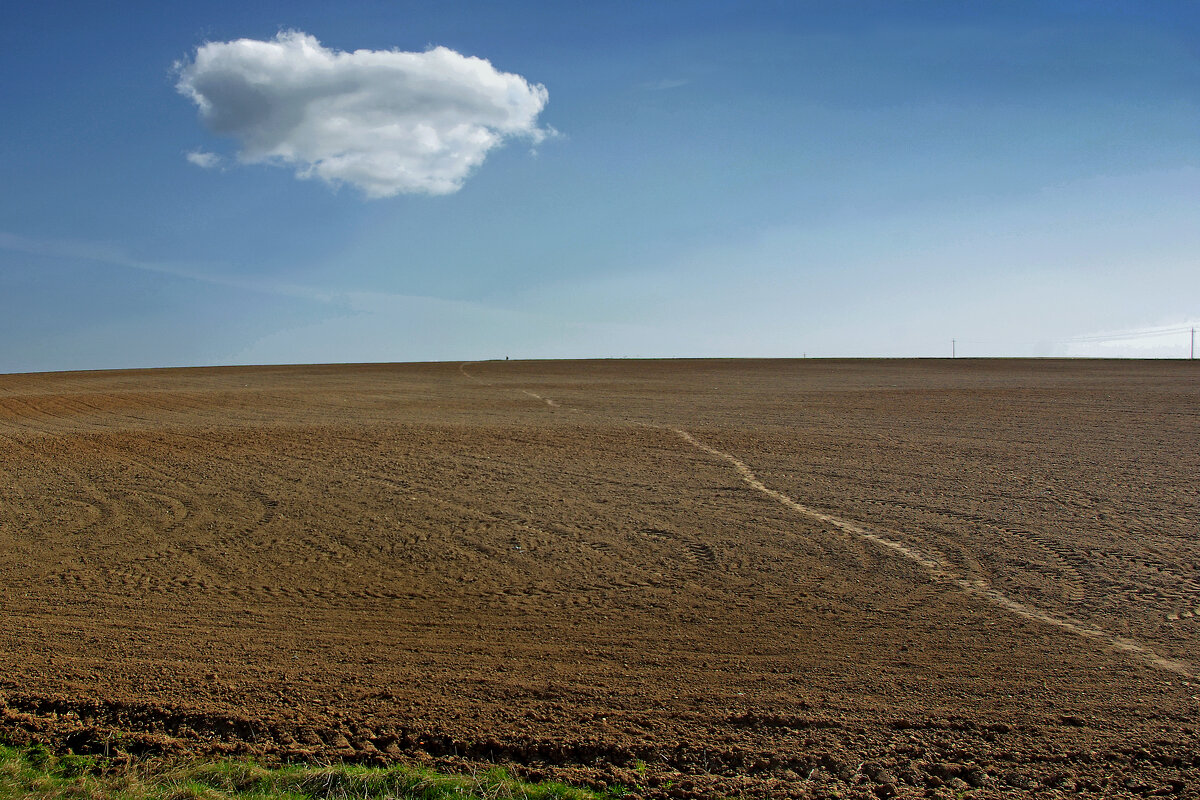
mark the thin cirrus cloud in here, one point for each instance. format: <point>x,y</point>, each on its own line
<point>664,84</point>
<point>385,121</point>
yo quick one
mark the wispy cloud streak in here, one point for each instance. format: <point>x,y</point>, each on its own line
<point>112,256</point>
<point>345,300</point>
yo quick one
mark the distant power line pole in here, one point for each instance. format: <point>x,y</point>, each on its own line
<point>1193,343</point>
<point>953,347</point>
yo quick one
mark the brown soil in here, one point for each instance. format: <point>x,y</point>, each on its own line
<point>787,578</point>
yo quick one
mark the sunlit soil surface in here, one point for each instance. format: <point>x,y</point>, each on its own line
<point>781,577</point>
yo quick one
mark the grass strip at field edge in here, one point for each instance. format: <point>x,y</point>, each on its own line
<point>35,772</point>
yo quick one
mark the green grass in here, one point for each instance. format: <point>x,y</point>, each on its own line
<point>35,773</point>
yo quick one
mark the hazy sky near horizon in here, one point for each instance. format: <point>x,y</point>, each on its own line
<point>231,183</point>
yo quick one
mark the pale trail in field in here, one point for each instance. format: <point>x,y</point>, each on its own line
<point>537,396</point>
<point>974,586</point>
<point>938,570</point>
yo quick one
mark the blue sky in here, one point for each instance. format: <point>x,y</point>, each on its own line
<point>691,179</point>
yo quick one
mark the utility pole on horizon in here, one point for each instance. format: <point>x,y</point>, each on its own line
<point>1193,343</point>
<point>953,347</point>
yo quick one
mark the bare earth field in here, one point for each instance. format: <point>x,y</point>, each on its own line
<point>784,578</point>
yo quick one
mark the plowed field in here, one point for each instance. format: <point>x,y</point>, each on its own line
<point>790,578</point>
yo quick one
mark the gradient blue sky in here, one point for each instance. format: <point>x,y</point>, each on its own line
<point>729,179</point>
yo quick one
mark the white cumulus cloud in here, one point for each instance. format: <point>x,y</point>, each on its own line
<point>386,121</point>
<point>203,159</point>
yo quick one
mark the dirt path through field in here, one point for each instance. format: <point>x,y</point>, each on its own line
<point>936,568</point>
<point>940,572</point>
